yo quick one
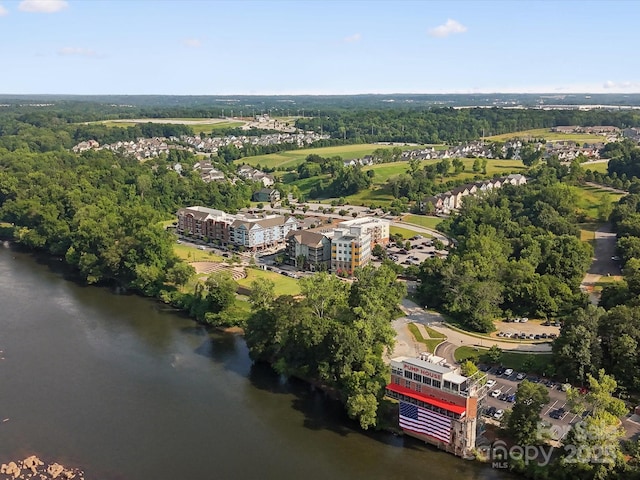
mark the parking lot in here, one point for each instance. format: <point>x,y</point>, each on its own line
<point>507,385</point>
<point>421,248</point>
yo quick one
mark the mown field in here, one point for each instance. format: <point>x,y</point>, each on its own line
<point>406,232</point>
<point>379,195</point>
<point>292,158</point>
<point>589,198</point>
<point>283,285</point>
<point>194,123</point>
<point>422,221</point>
<point>548,135</point>
<point>597,167</point>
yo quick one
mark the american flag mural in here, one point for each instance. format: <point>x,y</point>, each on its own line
<point>425,421</point>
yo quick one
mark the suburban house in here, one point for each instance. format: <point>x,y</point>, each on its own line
<point>350,249</point>
<point>269,195</point>
<point>252,174</point>
<point>377,228</point>
<point>437,404</point>
<point>313,249</point>
<point>452,200</point>
<point>249,231</point>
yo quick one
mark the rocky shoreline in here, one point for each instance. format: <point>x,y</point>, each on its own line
<point>34,468</point>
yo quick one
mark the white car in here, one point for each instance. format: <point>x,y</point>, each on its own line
<point>499,414</point>
<point>521,376</point>
<point>490,383</point>
<point>508,372</point>
<point>496,393</point>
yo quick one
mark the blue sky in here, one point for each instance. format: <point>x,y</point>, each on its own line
<point>212,47</point>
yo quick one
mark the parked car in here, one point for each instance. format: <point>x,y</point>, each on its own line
<point>499,414</point>
<point>511,398</point>
<point>496,393</point>
<point>490,383</point>
<point>490,411</point>
<point>508,372</point>
<point>520,376</point>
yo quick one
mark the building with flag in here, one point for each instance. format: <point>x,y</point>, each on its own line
<point>437,403</point>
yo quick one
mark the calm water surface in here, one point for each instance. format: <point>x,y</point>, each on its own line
<point>118,386</point>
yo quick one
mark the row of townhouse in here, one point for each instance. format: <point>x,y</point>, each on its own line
<point>252,232</point>
<point>342,249</point>
<point>452,200</point>
<point>141,148</point>
<point>212,144</point>
<point>593,130</point>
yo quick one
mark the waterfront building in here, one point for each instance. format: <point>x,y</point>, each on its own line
<point>437,404</point>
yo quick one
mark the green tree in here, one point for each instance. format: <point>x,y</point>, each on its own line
<point>262,294</point>
<point>525,415</point>
<point>494,353</point>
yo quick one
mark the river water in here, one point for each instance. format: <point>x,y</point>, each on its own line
<point>124,389</point>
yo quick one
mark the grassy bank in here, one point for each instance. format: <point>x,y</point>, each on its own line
<point>520,362</point>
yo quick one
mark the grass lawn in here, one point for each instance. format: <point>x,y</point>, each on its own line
<point>590,197</point>
<point>597,167</point>
<point>588,232</point>
<point>431,343</point>
<point>406,233</point>
<point>548,135</point>
<point>192,254</point>
<point>517,361</point>
<point>423,221</point>
<point>283,285</point>
<point>292,158</point>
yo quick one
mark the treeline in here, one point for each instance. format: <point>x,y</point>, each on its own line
<point>518,253</point>
<point>334,335</point>
<point>101,212</point>
<point>449,125</point>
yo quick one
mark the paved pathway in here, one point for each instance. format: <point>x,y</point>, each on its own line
<point>406,344</point>
<point>603,263</point>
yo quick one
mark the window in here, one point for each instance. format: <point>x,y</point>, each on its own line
<point>407,383</point>
<point>436,383</point>
<point>426,380</point>
<point>447,384</point>
<point>407,374</point>
<point>417,377</point>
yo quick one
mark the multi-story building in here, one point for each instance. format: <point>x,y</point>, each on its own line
<point>260,232</point>
<point>378,228</point>
<point>350,248</point>
<point>437,404</point>
<point>205,224</point>
<point>249,231</point>
<point>314,247</point>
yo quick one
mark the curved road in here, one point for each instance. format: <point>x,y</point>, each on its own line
<point>407,346</point>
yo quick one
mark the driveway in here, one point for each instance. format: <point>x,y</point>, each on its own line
<point>603,263</point>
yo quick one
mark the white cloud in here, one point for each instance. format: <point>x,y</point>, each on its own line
<point>192,43</point>
<point>77,52</point>
<point>611,85</point>
<point>42,6</point>
<point>3,11</point>
<point>448,28</point>
<point>356,37</point>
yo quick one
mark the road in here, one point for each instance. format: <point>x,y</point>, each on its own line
<point>416,314</point>
<point>603,261</point>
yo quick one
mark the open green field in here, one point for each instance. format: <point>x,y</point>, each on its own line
<point>198,125</point>
<point>548,135</point>
<point>292,158</point>
<point>422,221</point>
<point>539,363</point>
<point>192,254</point>
<point>597,167</point>
<point>588,232</point>
<point>283,285</point>
<point>590,197</point>
<point>405,232</point>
